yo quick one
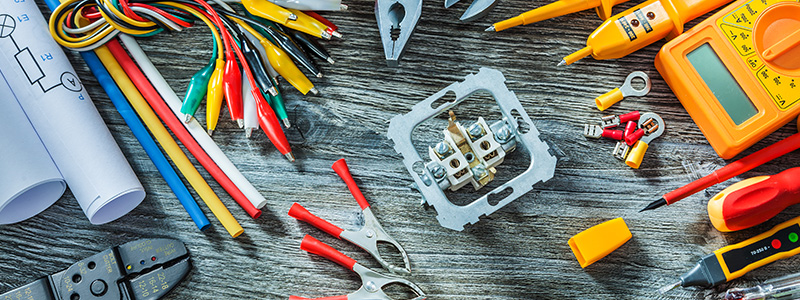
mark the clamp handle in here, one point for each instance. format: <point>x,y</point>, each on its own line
<point>340,166</point>
<point>302,214</point>
<point>342,297</point>
<point>313,245</point>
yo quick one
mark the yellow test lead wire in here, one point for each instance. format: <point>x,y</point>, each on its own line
<point>167,143</point>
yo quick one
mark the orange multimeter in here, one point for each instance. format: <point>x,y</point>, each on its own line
<point>738,72</point>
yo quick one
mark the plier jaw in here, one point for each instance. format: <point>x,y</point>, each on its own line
<point>397,20</point>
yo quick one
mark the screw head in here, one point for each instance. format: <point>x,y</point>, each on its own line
<point>438,172</point>
<point>503,134</point>
<point>370,233</point>
<point>479,172</point>
<point>371,287</point>
<point>442,149</point>
<point>475,130</point>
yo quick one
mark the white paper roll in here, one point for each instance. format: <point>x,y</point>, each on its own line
<point>64,117</point>
<point>29,179</point>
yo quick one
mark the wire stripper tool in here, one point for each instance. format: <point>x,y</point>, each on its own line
<point>372,282</point>
<point>145,269</point>
<point>368,236</point>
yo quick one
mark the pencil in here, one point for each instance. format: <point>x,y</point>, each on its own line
<point>173,150</point>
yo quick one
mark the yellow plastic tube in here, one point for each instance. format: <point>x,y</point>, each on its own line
<point>165,140</point>
<point>595,243</point>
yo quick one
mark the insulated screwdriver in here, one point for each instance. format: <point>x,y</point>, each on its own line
<point>754,200</point>
<point>738,167</point>
<point>735,260</point>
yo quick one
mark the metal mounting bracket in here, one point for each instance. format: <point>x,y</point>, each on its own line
<point>453,216</point>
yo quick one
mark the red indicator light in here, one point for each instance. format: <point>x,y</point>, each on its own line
<point>776,244</point>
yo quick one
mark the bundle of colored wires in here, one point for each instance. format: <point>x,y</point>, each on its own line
<point>282,40</point>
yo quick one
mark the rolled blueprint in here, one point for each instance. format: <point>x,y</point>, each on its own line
<point>29,179</point>
<point>66,120</point>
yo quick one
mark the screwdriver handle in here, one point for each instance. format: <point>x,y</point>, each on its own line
<point>302,214</point>
<point>313,245</point>
<point>340,166</point>
<point>754,200</point>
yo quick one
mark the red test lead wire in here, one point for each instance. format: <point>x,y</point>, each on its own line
<point>738,167</point>
<point>166,115</point>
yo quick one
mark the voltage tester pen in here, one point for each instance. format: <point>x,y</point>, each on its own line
<point>735,260</point>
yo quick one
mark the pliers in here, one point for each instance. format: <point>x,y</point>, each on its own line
<point>372,282</point>
<point>397,20</point>
<point>368,236</point>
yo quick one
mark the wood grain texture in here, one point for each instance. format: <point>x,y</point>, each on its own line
<point>519,252</point>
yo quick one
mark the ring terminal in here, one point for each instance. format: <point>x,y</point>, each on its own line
<point>652,127</point>
<point>606,100</point>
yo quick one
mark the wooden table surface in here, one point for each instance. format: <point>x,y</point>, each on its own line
<point>519,252</point>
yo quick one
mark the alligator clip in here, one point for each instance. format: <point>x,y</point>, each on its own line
<point>396,22</point>
<point>368,236</point>
<point>476,10</point>
<point>142,269</point>
<point>372,282</point>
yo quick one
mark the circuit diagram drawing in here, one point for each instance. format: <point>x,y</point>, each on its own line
<point>30,64</point>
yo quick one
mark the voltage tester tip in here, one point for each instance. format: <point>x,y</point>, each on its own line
<point>655,204</point>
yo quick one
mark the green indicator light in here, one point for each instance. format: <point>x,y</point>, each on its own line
<point>793,237</point>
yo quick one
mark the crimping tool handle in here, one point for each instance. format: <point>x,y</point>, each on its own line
<point>342,297</point>
<point>301,213</point>
<point>313,245</point>
<point>340,166</point>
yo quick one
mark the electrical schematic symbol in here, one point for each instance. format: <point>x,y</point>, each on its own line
<point>30,64</point>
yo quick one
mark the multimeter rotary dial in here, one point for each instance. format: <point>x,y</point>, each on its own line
<point>776,37</point>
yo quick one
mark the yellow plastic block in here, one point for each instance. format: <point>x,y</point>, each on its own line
<point>595,243</point>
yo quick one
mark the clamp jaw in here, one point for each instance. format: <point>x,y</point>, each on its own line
<point>145,269</point>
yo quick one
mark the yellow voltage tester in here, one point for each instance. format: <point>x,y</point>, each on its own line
<point>735,260</point>
<point>640,26</point>
<point>738,72</point>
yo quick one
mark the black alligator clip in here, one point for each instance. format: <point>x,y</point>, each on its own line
<point>145,269</point>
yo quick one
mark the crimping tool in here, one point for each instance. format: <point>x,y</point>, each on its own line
<point>144,269</point>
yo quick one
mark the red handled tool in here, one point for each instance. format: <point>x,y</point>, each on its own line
<point>754,200</point>
<point>372,282</point>
<point>368,236</point>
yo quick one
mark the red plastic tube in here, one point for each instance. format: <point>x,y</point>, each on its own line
<point>630,127</point>
<point>166,115</point>
<point>612,134</point>
<point>635,136</point>
<point>631,116</point>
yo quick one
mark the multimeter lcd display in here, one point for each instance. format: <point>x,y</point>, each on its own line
<point>721,83</point>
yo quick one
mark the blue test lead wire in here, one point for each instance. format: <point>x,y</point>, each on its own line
<point>140,132</point>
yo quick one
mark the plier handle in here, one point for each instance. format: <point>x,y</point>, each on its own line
<point>372,282</point>
<point>368,236</point>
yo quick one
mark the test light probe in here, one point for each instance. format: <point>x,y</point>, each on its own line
<point>735,260</point>
<point>737,73</point>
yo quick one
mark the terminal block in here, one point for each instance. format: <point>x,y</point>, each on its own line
<point>469,154</point>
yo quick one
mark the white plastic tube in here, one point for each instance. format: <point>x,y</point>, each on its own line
<point>193,127</point>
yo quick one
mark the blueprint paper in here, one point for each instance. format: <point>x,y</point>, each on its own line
<point>66,120</point>
<point>29,179</point>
